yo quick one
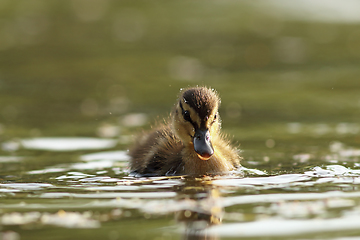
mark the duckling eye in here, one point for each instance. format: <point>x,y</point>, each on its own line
<point>186,115</point>
<point>214,118</point>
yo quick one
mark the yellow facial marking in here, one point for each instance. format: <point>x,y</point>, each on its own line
<point>211,118</point>
<point>193,115</point>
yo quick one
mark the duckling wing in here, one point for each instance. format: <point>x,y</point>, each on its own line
<point>157,153</point>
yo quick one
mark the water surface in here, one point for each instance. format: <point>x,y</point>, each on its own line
<point>78,80</point>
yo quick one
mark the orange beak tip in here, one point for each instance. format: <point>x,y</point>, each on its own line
<point>203,158</point>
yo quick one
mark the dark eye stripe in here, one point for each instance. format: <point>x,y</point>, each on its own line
<point>215,117</point>
<point>186,115</point>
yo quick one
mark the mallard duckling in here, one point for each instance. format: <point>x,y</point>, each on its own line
<point>190,144</point>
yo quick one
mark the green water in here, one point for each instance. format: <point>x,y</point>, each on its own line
<point>94,73</point>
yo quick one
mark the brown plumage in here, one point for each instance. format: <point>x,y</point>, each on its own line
<point>190,144</point>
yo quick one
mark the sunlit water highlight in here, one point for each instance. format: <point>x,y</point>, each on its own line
<point>78,79</point>
<point>99,180</point>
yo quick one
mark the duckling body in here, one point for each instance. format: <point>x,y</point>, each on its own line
<point>189,144</point>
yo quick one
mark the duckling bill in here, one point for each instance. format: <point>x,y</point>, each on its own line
<point>190,144</point>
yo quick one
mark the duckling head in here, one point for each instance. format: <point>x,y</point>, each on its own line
<point>196,120</point>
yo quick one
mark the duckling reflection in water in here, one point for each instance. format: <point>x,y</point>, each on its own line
<point>203,214</point>
<point>190,144</point>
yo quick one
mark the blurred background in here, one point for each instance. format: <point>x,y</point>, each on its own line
<point>102,67</point>
<point>288,75</point>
